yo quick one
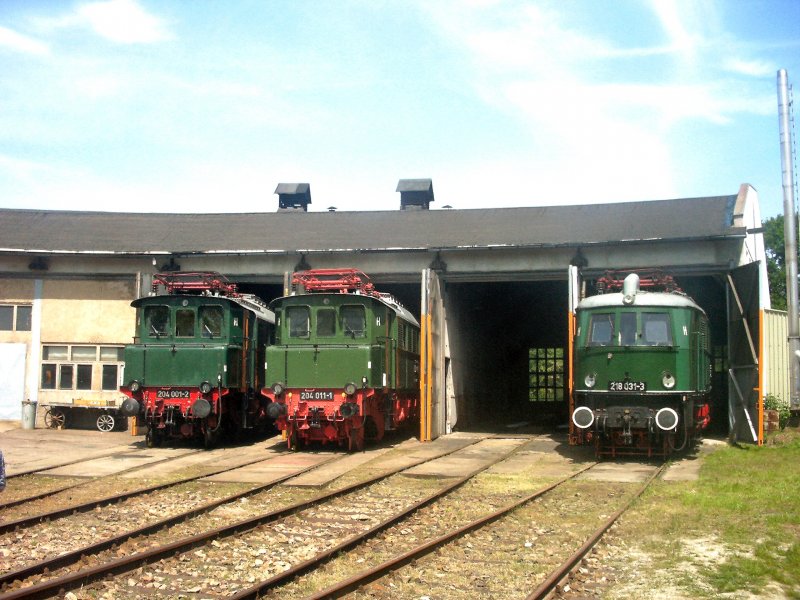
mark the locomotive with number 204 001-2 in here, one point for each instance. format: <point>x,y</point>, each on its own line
<point>196,367</point>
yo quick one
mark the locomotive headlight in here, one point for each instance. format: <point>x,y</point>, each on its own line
<point>667,419</point>
<point>350,388</point>
<point>205,387</point>
<point>277,388</point>
<point>134,386</point>
<point>590,380</point>
<point>583,417</point>
<point>668,380</point>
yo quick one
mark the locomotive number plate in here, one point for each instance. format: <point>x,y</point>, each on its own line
<point>314,395</point>
<point>172,394</point>
<point>627,386</point>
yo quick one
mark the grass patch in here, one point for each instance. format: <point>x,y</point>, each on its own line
<point>736,528</point>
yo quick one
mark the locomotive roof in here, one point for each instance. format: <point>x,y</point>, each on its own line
<point>98,233</point>
<point>243,300</point>
<point>643,298</point>
<point>389,301</point>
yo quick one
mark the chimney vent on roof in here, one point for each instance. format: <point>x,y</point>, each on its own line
<point>293,196</point>
<point>415,194</point>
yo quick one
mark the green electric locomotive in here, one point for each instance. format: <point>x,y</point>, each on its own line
<point>642,368</point>
<point>196,366</point>
<point>345,363</point>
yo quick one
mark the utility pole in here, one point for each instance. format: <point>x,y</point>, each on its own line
<point>790,237</point>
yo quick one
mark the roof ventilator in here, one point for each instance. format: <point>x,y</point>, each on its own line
<point>293,197</point>
<point>415,194</point>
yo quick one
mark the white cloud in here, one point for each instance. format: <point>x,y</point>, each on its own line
<point>753,68</point>
<point>124,22</point>
<point>22,43</point>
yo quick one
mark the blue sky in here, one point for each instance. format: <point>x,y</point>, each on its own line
<point>201,106</point>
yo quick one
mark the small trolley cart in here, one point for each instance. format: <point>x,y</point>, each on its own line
<point>102,414</point>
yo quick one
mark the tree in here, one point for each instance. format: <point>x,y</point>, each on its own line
<point>774,242</point>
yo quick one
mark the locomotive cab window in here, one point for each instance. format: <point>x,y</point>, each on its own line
<point>298,321</point>
<point>210,318</point>
<point>354,321</point>
<point>601,329</point>
<point>326,322</point>
<point>156,320</point>
<point>184,322</point>
<point>627,329</point>
<point>656,329</point>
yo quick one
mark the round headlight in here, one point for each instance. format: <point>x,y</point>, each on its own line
<point>277,388</point>
<point>667,419</point>
<point>668,380</point>
<point>583,417</point>
<point>590,380</point>
<point>350,388</point>
<point>205,387</point>
<point>135,385</point>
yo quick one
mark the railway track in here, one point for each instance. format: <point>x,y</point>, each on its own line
<point>449,565</point>
<point>44,582</point>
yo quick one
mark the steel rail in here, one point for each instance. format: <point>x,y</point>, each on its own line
<point>63,560</point>
<point>368,575</point>
<point>58,585</point>
<point>92,504</point>
<point>305,566</point>
<point>563,570</point>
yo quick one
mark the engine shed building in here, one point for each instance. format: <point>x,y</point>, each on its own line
<point>494,289</point>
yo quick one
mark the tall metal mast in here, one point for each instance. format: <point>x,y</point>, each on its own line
<point>790,237</point>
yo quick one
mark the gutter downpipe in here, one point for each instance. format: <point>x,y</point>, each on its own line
<point>790,237</point>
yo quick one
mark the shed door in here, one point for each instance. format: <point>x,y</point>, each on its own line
<point>12,381</point>
<point>745,411</point>
<point>432,359</point>
<point>574,288</point>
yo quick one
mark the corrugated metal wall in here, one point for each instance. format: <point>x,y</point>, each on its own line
<point>776,354</point>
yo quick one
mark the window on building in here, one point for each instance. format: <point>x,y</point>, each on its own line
<point>110,377</point>
<point>546,374</point>
<point>15,317</point>
<point>81,367</point>
<point>84,380</point>
<point>65,378</point>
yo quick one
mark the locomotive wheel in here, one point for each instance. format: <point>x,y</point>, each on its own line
<point>55,418</point>
<point>355,440</point>
<point>105,422</point>
<point>210,438</point>
<point>152,439</point>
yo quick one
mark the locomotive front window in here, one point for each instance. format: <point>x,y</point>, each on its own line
<point>326,322</point>
<point>656,329</point>
<point>210,321</point>
<point>156,320</point>
<point>184,322</point>
<point>601,329</point>
<point>354,321</point>
<point>627,329</point>
<point>298,319</point>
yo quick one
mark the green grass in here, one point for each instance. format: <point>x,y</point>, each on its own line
<point>735,529</point>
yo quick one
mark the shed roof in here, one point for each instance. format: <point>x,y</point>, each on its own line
<point>41,231</point>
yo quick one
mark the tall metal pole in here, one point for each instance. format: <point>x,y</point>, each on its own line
<point>790,238</point>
